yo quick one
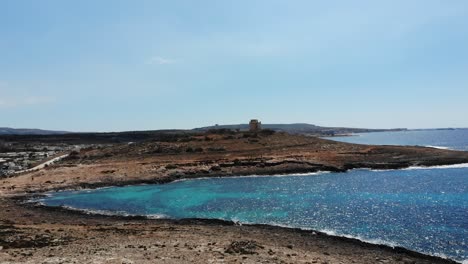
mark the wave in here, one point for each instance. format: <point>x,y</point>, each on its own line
<point>157,216</point>
<point>96,211</point>
<point>240,222</point>
<point>330,232</point>
<point>253,176</point>
<point>109,212</point>
<point>438,147</point>
<point>375,241</point>
<point>453,166</point>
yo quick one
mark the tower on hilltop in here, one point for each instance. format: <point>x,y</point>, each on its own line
<point>255,125</point>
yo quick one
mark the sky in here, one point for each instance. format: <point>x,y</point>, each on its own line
<point>113,65</point>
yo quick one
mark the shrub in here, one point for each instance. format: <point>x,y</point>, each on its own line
<point>73,155</point>
<point>198,149</point>
<point>171,166</point>
<point>221,131</point>
<point>267,132</point>
<point>250,135</point>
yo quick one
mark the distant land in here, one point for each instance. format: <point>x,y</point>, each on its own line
<point>28,131</point>
<point>297,128</point>
<point>302,128</point>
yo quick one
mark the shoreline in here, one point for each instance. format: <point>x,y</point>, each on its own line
<point>31,230</point>
<point>222,222</point>
<point>177,178</point>
<point>28,200</point>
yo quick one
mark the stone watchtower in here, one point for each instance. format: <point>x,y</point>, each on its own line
<point>255,125</point>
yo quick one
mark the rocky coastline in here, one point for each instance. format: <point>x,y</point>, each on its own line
<point>38,234</point>
<point>52,229</point>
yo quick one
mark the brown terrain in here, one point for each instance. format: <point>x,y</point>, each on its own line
<point>34,234</point>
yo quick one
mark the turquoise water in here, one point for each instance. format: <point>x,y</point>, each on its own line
<point>423,209</point>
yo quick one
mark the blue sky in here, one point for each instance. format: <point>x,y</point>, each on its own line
<point>135,65</point>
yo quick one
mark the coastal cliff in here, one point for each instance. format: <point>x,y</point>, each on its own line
<point>221,155</point>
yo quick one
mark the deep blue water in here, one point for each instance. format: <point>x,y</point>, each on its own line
<point>451,139</point>
<point>424,209</point>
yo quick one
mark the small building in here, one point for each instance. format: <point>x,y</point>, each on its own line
<point>255,125</point>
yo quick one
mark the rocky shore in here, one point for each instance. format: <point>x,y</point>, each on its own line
<point>35,234</point>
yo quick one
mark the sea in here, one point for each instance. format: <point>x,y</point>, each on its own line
<point>456,139</point>
<point>424,209</point>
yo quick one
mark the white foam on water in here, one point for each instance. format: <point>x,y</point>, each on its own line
<point>441,255</point>
<point>437,147</point>
<point>97,212</point>
<point>157,216</point>
<point>360,238</point>
<point>253,176</point>
<point>453,166</point>
<point>115,213</point>
<point>238,222</point>
<point>331,232</point>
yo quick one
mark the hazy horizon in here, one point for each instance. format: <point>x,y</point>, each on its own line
<point>190,128</point>
<point>147,65</point>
